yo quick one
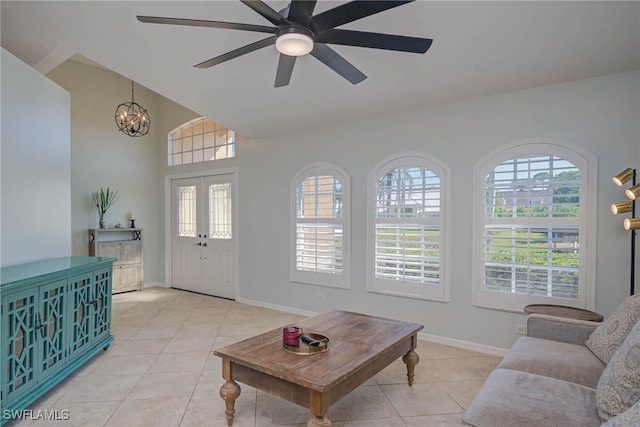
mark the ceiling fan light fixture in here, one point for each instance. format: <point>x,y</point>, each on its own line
<point>297,31</point>
<point>294,44</point>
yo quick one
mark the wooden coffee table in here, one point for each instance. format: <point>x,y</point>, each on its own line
<point>360,346</point>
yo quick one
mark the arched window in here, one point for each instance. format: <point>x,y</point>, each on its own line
<point>535,227</point>
<point>320,235</point>
<point>200,140</point>
<point>407,247</point>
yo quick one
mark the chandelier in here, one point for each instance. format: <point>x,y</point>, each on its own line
<point>132,118</point>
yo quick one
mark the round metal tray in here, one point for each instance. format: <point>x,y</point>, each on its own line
<point>305,349</point>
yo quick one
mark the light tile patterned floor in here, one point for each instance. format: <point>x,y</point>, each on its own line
<point>161,371</point>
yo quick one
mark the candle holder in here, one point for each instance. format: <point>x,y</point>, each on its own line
<point>291,336</point>
<point>132,223</point>
<point>307,344</point>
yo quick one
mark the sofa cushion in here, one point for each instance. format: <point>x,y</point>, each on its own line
<point>513,398</point>
<point>607,337</point>
<point>551,359</point>
<point>619,386</point>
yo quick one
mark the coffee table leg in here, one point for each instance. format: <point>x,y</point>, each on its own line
<point>230,392</point>
<point>410,359</point>
<point>319,407</point>
<point>319,421</point>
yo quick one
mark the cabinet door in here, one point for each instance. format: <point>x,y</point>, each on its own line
<point>131,252</point>
<point>127,277</point>
<point>101,303</point>
<point>19,346</point>
<point>110,249</point>
<point>52,327</point>
<point>80,305</point>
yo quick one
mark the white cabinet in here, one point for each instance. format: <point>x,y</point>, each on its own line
<point>125,245</point>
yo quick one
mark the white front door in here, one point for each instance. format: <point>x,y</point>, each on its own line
<point>202,236</point>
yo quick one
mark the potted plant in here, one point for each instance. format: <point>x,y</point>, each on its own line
<point>103,200</point>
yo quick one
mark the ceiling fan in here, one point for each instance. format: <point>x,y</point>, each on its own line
<point>298,32</point>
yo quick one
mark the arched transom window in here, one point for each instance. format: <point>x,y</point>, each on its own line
<point>200,140</point>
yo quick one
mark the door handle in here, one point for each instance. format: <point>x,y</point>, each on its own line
<point>198,244</point>
<point>40,326</point>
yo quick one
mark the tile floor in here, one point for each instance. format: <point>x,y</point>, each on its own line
<point>161,371</point>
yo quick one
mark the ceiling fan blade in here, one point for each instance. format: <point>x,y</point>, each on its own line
<point>337,63</point>
<point>375,40</point>
<point>350,12</point>
<point>237,52</point>
<point>266,12</point>
<point>301,11</point>
<point>208,24</point>
<point>285,68</point>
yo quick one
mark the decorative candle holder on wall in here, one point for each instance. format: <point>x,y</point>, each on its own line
<point>132,220</point>
<point>631,223</point>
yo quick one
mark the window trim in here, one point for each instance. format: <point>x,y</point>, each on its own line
<point>342,280</point>
<point>587,163</point>
<point>414,290</point>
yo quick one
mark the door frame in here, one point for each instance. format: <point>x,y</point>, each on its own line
<point>167,221</point>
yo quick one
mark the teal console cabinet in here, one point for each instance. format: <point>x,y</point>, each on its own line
<point>56,315</point>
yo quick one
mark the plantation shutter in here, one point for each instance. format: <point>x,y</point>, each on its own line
<point>319,225</point>
<point>408,226</point>
<point>532,227</point>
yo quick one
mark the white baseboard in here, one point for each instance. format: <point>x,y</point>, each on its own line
<point>277,307</point>
<point>152,284</point>
<point>467,345</point>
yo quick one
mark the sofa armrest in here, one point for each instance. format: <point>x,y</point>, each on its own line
<point>562,329</point>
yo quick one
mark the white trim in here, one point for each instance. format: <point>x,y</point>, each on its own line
<point>467,345</point>
<point>187,123</point>
<point>283,308</point>
<point>441,292</point>
<point>452,342</point>
<point>343,280</point>
<point>233,171</point>
<point>587,162</point>
<point>155,284</point>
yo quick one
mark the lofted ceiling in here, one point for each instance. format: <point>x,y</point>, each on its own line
<point>479,48</point>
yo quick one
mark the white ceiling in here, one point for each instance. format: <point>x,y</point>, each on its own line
<point>480,48</point>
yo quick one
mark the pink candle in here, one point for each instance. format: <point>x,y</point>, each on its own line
<point>291,336</point>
